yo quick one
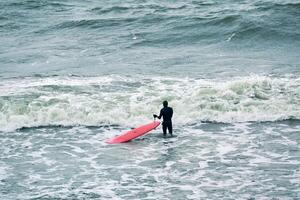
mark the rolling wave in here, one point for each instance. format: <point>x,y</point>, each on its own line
<point>128,101</point>
<point>173,23</point>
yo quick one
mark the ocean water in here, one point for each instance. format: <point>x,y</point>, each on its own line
<point>76,73</point>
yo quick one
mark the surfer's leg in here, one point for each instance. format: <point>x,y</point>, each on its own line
<point>170,128</point>
<point>164,127</point>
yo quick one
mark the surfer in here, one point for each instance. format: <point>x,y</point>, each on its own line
<point>167,113</point>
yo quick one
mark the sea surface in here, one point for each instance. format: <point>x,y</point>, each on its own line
<point>76,73</point>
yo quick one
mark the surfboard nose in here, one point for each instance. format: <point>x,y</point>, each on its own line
<point>110,141</point>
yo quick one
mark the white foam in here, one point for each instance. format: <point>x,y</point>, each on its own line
<point>224,148</point>
<point>129,101</point>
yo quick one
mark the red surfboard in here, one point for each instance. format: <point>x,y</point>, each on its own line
<point>134,133</point>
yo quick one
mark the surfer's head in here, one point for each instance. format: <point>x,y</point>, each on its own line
<point>165,103</point>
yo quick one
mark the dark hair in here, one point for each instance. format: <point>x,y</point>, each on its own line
<point>165,103</point>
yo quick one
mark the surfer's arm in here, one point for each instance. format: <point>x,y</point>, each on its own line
<point>160,114</point>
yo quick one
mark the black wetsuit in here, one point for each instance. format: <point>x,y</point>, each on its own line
<point>166,113</point>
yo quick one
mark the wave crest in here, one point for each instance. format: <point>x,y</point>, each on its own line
<point>122,100</point>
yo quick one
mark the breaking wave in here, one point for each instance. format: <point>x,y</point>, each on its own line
<point>129,101</point>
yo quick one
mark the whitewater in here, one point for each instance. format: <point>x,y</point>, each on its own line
<point>129,101</point>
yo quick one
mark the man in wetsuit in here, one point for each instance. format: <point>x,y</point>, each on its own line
<point>167,113</point>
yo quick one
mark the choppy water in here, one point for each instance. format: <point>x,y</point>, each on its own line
<point>75,73</point>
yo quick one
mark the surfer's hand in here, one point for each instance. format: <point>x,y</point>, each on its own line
<point>155,116</point>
